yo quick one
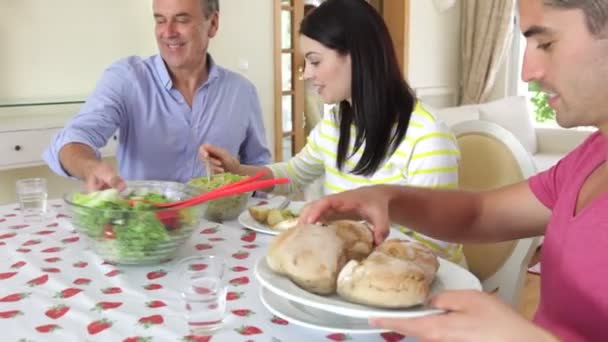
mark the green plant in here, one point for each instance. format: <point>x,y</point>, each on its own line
<point>543,112</point>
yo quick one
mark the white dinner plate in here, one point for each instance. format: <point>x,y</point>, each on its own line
<point>313,318</point>
<point>449,277</point>
<point>247,221</point>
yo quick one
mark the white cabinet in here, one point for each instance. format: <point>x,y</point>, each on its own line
<point>24,148</point>
<point>26,132</point>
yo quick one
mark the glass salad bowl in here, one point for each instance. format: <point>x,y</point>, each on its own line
<point>126,233</point>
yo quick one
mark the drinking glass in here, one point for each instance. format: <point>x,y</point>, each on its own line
<point>203,289</point>
<point>32,194</point>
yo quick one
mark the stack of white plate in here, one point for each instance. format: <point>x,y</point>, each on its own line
<point>331,313</point>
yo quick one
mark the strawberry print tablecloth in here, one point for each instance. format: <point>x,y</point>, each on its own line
<point>53,287</point>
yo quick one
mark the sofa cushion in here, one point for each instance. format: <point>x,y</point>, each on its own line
<point>454,115</point>
<point>545,161</point>
<point>513,114</point>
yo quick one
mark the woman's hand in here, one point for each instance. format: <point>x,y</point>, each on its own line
<point>367,203</point>
<point>220,159</point>
<point>472,316</point>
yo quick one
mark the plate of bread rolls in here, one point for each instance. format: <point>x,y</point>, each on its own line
<point>335,267</point>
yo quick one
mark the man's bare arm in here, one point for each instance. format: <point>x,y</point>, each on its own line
<point>503,214</point>
<point>80,161</point>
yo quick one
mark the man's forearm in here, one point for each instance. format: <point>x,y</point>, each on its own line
<point>77,159</point>
<point>443,214</point>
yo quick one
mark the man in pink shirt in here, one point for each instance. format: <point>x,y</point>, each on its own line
<point>567,53</point>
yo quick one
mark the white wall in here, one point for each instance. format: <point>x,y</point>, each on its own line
<point>58,49</point>
<point>434,52</point>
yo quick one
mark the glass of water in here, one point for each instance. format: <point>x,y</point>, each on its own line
<point>203,289</point>
<point>32,194</point>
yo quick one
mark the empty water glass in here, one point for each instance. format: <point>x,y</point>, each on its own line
<point>32,194</point>
<point>203,289</point>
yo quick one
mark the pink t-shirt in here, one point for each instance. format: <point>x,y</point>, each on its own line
<point>574,278</point>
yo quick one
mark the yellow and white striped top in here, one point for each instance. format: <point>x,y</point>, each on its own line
<point>427,157</point>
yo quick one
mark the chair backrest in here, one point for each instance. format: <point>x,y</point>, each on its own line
<point>492,157</point>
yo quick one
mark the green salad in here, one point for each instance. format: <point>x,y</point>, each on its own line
<point>225,208</point>
<point>128,231</point>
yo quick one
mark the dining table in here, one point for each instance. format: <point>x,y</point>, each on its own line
<point>54,287</point>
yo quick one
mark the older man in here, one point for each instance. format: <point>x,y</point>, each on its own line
<point>164,107</point>
<point>567,53</point>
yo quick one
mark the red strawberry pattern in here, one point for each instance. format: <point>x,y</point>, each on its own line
<point>52,250</point>
<point>202,246</point>
<point>239,269</point>
<point>10,314</point>
<point>63,273</point>
<point>111,290</point>
<point>8,235</point>
<point>197,267</point>
<point>81,281</point>
<point>233,295</point>
<point>52,259</point>
<point>98,326</point>
<point>149,321</point>
<point>243,312</point>
<point>7,275</point>
<point>80,264</point>
<point>249,330</point>
<point>47,328</point>
<point>31,242</point>
<point>68,293</point>
<point>239,281</point>
<point>211,230</point>
<point>152,287</point>
<point>155,304</point>
<point>249,236</point>
<point>102,306</point>
<point>57,311</point>
<point>138,339</point>
<point>240,255</point>
<point>278,320</point>
<point>392,337</point>
<point>195,338</point>
<point>15,297</point>
<point>70,239</point>
<point>41,280</point>
<point>156,274</point>
<point>113,273</point>
<point>338,337</point>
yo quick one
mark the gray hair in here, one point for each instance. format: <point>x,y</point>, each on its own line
<point>596,12</point>
<point>210,7</point>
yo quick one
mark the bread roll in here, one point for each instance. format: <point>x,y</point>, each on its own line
<point>396,275</point>
<point>310,255</point>
<point>357,237</point>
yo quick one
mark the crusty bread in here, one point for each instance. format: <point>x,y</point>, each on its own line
<point>397,274</point>
<point>310,255</point>
<point>357,237</point>
<point>416,252</point>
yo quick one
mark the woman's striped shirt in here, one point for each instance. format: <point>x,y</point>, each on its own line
<point>427,157</point>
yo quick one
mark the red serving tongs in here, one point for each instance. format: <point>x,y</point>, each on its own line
<point>171,217</point>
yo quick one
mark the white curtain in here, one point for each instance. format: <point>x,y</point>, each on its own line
<point>486,35</point>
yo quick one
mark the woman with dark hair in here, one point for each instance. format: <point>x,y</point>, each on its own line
<point>378,132</point>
